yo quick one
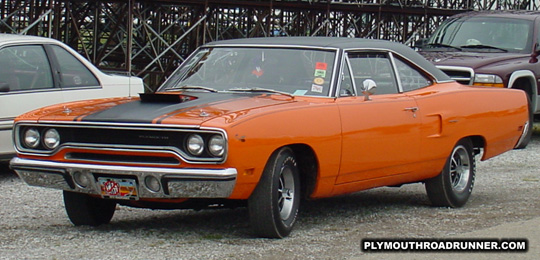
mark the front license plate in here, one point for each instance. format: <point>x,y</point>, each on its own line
<point>114,188</point>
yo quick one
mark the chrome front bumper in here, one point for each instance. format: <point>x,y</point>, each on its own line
<point>175,183</point>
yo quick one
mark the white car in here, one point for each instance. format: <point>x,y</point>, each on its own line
<point>37,72</point>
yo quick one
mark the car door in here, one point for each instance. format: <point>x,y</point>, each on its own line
<point>380,133</point>
<point>26,83</point>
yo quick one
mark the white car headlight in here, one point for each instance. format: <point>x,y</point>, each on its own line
<point>216,145</point>
<point>488,80</point>
<point>195,144</point>
<point>51,139</point>
<point>31,138</point>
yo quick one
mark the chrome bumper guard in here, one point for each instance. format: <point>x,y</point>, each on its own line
<point>174,183</point>
<point>523,134</point>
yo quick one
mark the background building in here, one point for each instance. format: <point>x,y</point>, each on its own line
<point>150,38</point>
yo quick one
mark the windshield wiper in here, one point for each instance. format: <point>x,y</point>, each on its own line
<point>481,46</point>
<point>193,87</point>
<point>443,46</point>
<point>261,90</point>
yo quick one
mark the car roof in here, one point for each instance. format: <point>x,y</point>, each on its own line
<point>11,38</point>
<point>341,43</point>
<point>519,14</point>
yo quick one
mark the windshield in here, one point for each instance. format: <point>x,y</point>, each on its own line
<point>282,70</point>
<point>484,34</point>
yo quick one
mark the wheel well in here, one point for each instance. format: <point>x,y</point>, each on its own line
<point>478,143</point>
<point>524,84</point>
<point>308,166</point>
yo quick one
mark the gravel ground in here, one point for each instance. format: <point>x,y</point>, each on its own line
<point>33,224</point>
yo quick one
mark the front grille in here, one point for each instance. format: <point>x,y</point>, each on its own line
<point>463,75</point>
<point>168,144</point>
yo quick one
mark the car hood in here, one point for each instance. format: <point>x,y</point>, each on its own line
<point>468,59</point>
<point>191,108</point>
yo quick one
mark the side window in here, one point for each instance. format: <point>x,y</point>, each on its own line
<point>374,66</point>
<point>25,68</point>
<point>72,72</point>
<point>410,78</point>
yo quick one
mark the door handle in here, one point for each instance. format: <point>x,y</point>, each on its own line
<point>412,109</point>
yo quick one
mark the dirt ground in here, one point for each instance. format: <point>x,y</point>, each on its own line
<point>33,223</point>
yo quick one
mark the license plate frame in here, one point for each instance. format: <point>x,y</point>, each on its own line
<point>118,188</point>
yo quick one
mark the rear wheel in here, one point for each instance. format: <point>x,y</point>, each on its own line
<point>273,206</point>
<point>453,186</point>
<point>83,209</point>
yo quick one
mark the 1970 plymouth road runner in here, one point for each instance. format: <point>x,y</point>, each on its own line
<point>264,122</point>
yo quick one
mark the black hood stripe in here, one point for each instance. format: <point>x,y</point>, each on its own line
<point>145,112</point>
<point>197,107</point>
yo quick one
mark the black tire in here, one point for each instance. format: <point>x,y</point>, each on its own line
<point>83,209</point>
<point>273,205</point>
<point>453,186</point>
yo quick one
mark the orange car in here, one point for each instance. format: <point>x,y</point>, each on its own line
<point>265,122</point>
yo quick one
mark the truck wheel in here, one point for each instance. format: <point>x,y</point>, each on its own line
<point>453,186</point>
<point>83,209</point>
<point>273,205</point>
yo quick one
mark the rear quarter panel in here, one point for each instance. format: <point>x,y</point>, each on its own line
<point>452,111</point>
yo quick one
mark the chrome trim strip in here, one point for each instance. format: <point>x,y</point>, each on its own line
<point>270,45</point>
<point>523,134</point>
<point>396,72</point>
<point>6,123</point>
<point>458,68</point>
<point>175,182</point>
<point>118,125</point>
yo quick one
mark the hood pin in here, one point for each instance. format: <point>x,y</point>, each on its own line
<point>204,114</point>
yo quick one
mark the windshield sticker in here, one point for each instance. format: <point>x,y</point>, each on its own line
<point>257,71</point>
<point>300,92</point>
<point>321,66</point>
<point>318,81</point>
<point>77,80</point>
<point>316,88</point>
<point>320,73</point>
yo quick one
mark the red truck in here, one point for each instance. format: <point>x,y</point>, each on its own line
<point>490,48</point>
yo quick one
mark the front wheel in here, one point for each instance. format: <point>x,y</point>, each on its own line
<point>83,209</point>
<point>453,186</point>
<point>273,206</point>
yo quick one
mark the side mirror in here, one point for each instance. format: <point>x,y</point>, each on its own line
<point>368,88</point>
<point>535,54</point>
<point>4,87</point>
<point>421,43</point>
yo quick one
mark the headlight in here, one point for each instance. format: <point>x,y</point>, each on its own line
<point>195,144</point>
<point>216,145</point>
<point>31,138</point>
<point>488,80</point>
<point>51,139</point>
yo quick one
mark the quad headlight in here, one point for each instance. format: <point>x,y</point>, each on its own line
<point>51,139</point>
<point>206,145</point>
<point>195,144</point>
<point>40,138</point>
<point>31,138</point>
<point>216,145</point>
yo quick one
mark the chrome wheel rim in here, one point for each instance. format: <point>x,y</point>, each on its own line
<point>286,193</point>
<point>460,168</point>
